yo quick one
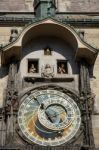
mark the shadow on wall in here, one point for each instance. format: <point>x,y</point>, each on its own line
<point>91,72</point>
<point>3,72</point>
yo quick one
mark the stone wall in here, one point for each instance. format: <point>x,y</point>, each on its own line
<point>78,5</point>
<point>95,90</point>
<point>95,84</point>
<point>91,36</point>
<point>62,5</point>
<point>20,5</point>
<point>3,82</point>
<point>5,33</point>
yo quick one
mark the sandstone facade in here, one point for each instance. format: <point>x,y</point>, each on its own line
<point>91,36</point>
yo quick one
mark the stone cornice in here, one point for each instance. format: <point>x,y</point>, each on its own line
<point>20,19</point>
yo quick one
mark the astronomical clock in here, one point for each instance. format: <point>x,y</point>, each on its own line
<point>47,106</point>
<point>47,103</point>
<point>49,117</point>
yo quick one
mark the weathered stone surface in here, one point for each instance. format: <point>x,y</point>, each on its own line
<point>5,33</point>
<point>62,5</point>
<point>91,36</point>
<point>78,5</point>
<point>13,5</point>
<point>96,129</point>
<point>3,83</point>
<point>95,84</point>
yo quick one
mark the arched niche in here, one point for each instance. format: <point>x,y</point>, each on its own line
<point>51,28</point>
<point>61,51</point>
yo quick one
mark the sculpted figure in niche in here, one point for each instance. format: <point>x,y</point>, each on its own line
<point>47,51</point>
<point>32,69</point>
<point>61,69</point>
<point>48,71</point>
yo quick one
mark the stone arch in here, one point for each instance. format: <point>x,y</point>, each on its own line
<point>49,27</point>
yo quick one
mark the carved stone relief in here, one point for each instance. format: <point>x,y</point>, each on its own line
<point>47,71</point>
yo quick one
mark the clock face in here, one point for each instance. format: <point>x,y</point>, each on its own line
<point>48,117</point>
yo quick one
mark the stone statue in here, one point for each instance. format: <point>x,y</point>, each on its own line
<point>32,69</point>
<point>47,51</point>
<point>62,69</point>
<point>48,71</point>
<point>51,7</point>
<point>14,34</point>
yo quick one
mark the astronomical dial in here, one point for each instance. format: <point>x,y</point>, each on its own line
<point>53,114</point>
<point>49,117</point>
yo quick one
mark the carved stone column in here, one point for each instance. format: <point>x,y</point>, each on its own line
<point>86,98</point>
<point>11,103</point>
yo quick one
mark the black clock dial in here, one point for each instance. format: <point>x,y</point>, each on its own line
<point>49,117</point>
